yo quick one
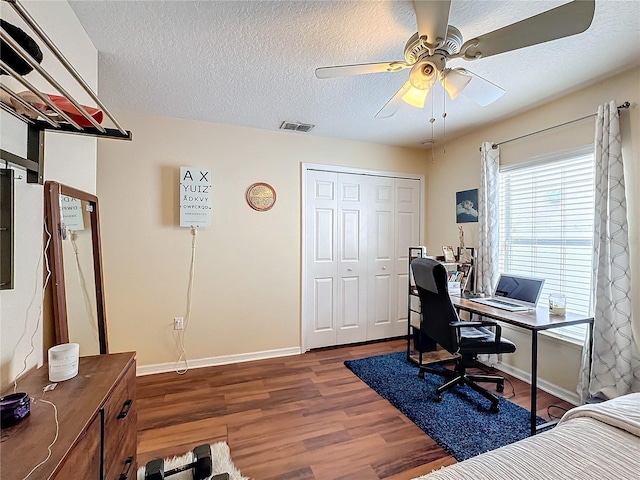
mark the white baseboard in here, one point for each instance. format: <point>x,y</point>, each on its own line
<point>213,361</point>
<point>566,395</point>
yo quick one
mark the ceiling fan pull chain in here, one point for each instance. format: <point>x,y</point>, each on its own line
<point>444,122</point>
<point>432,121</point>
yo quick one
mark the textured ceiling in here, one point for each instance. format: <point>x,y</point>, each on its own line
<point>252,63</point>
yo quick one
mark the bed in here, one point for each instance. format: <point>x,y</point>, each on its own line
<point>598,441</point>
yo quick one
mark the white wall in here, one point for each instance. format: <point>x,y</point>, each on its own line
<point>69,159</point>
<point>459,169</point>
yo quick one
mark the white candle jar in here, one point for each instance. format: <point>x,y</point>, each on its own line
<point>63,361</point>
<point>557,304</point>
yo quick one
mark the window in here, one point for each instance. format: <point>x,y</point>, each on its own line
<point>546,226</point>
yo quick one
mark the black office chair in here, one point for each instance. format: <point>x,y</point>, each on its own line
<point>466,339</point>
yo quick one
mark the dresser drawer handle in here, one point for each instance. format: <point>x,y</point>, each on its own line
<point>125,473</point>
<point>125,409</point>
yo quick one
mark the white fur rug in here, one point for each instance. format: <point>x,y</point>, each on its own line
<point>220,457</point>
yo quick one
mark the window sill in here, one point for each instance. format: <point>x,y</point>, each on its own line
<point>563,338</point>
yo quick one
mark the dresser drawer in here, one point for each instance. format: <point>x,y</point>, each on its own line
<point>120,420</point>
<point>84,459</point>
<point>123,464</point>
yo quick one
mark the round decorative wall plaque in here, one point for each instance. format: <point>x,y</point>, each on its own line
<point>261,196</point>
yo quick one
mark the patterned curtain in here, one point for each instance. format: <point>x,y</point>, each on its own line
<point>613,368</point>
<point>488,219</point>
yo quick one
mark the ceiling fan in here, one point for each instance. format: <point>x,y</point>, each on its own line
<point>426,53</point>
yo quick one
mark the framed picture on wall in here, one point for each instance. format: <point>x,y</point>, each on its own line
<point>467,206</point>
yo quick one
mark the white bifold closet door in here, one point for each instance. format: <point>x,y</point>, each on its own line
<point>358,231</point>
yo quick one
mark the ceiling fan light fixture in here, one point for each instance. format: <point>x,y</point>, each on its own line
<point>454,81</point>
<point>422,75</point>
<point>415,97</point>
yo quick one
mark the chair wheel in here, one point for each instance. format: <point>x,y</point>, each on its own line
<point>494,408</point>
<point>421,374</point>
<point>500,387</point>
<point>437,398</point>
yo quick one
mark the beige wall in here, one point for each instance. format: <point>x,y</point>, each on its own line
<point>246,294</point>
<point>459,169</point>
<point>70,159</point>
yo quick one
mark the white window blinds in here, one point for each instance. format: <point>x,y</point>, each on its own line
<point>546,226</point>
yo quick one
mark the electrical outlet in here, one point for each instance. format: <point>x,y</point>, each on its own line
<point>178,323</point>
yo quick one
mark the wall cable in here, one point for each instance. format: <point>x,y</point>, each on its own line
<point>555,417</point>
<point>182,333</point>
<point>26,320</point>
<point>490,370</point>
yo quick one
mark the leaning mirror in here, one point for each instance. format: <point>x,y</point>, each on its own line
<point>76,268</point>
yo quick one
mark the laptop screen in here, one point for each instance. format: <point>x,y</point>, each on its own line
<point>519,288</point>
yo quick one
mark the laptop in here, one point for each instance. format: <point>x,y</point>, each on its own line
<point>514,293</point>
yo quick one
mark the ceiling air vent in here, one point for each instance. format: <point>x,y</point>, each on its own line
<point>296,127</point>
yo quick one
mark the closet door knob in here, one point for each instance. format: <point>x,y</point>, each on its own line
<point>384,268</point>
<point>349,269</point>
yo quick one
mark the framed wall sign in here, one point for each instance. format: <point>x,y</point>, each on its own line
<point>195,197</point>
<point>261,196</point>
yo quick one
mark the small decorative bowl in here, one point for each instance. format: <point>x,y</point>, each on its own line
<point>13,408</point>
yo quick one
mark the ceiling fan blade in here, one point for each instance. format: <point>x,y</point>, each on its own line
<point>563,21</point>
<point>392,106</point>
<point>480,90</point>
<point>361,69</point>
<point>433,19</point>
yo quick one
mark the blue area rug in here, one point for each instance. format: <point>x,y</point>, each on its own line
<point>461,423</point>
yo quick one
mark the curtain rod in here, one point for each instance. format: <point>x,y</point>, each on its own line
<point>495,145</point>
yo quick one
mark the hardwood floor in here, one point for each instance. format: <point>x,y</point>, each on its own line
<point>299,417</point>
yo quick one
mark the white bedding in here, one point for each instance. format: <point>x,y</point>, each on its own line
<point>591,442</point>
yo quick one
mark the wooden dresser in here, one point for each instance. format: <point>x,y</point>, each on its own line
<point>98,424</point>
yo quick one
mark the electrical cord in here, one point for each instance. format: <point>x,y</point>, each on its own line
<point>513,390</point>
<point>24,368</point>
<point>55,438</point>
<point>492,371</point>
<point>551,415</point>
<point>26,320</point>
<point>181,333</point>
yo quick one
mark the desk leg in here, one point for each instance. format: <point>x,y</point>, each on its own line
<point>534,379</point>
